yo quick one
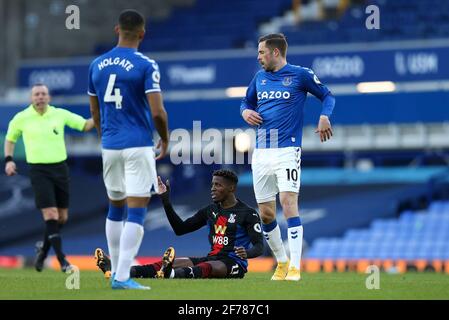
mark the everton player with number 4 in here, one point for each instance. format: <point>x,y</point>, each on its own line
<point>274,103</point>
<point>235,235</point>
<point>125,95</point>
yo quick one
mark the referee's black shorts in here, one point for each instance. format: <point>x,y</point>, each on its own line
<point>50,184</point>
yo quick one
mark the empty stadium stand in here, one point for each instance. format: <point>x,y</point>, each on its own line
<point>414,235</point>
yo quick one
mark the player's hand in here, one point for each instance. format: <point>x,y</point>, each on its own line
<point>324,128</point>
<point>240,252</point>
<point>163,145</point>
<point>252,117</point>
<point>164,189</point>
<point>10,169</point>
<point>90,124</point>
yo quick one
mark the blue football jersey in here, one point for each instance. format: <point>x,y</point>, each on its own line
<point>279,98</point>
<point>120,79</point>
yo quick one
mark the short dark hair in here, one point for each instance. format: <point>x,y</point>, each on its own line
<point>227,174</point>
<point>40,84</point>
<point>131,20</point>
<point>275,40</point>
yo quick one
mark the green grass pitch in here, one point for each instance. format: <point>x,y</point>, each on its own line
<point>28,284</point>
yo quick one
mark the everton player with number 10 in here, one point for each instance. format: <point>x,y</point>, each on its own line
<point>274,103</point>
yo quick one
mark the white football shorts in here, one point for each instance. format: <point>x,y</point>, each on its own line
<point>129,172</point>
<point>275,170</point>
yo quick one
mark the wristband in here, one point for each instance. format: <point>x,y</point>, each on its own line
<point>8,159</point>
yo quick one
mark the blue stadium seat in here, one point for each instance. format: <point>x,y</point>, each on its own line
<point>415,235</point>
<point>445,253</point>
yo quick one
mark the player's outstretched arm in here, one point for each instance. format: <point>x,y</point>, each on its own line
<point>164,189</point>
<point>179,226</point>
<point>324,128</point>
<point>90,124</point>
<point>10,165</point>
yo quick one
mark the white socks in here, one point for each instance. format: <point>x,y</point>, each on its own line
<point>130,241</point>
<point>272,234</point>
<point>295,245</point>
<point>113,234</point>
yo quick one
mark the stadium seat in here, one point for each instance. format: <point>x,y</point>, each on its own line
<point>414,235</point>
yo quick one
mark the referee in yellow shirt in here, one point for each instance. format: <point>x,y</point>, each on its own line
<point>42,128</point>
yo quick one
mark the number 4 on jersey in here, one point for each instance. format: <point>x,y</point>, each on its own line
<point>116,97</point>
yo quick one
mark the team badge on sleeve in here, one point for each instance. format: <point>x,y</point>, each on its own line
<point>156,76</point>
<point>315,78</point>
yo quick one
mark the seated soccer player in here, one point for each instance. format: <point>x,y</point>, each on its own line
<point>234,234</point>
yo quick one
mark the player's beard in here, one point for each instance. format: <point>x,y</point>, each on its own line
<point>268,67</point>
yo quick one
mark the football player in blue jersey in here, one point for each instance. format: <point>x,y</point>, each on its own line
<point>125,95</point>
<point>274,103</point>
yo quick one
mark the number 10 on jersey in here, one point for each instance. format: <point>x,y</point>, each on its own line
<point>117,98</point>
<point>292,174</point>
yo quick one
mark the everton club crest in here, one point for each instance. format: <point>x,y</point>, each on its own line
<point>287,81</point>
